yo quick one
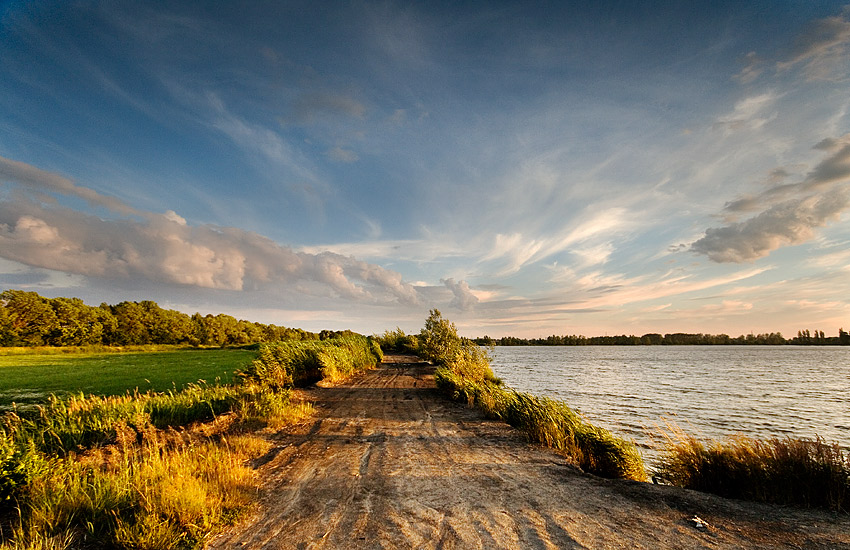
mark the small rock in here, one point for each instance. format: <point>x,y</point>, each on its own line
<point>698,523</point>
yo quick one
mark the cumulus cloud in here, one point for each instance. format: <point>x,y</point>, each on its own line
<point>787,223</point>
<point>165,248</point>
<point>790,212</point>
<point>464,299</point>
<point>821,49</point>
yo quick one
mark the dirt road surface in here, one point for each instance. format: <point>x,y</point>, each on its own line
<point>389,463</point>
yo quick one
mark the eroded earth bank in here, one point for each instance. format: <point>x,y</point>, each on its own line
<point>389,463</point>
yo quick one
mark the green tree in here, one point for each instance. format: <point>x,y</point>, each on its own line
<point>76,323</point>
<point>7,336</point>
<point>131,324</point>
<point>29,317</point>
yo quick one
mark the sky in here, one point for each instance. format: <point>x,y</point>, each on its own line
<point>526,168</point>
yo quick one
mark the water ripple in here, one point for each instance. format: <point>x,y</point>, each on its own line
<point>711,391</point>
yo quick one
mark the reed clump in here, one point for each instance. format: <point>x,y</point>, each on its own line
<point>790,471</point>
<point>296,363</point>
<point>550,423</point>
<point>464,374</point>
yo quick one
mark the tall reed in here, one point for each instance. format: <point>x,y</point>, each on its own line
<point>464,373</point>
<point>550,423</point>
<point>802,472</point>
<point>297,363</point>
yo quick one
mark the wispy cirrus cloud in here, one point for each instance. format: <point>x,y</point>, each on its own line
<point>822,50</point>
<point>39,180</point>
<point>749,113</point>
<point>516,251</point>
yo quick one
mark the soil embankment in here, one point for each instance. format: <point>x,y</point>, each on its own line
<point>389,463</point>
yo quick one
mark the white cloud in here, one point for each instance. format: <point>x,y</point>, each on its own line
<point>745,114</point>
<point>753,69</point>
<point>258,140</point>
<point>41,180</point>
<point>788,223</point>
<point>819,198</point>
<point>603,291</point>
<point>164,248</point>
<point>464,299</point>
<point>519,251</point>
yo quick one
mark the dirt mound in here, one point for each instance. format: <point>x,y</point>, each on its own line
<point>389,463</point>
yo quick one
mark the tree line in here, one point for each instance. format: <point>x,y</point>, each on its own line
<point>803,338</point>
<point>28,319</point>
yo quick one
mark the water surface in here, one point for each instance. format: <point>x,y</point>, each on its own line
<point>711,391</point>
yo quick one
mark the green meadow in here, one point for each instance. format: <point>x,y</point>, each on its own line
<point>30,378</point>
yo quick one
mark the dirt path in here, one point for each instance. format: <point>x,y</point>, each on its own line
<point>388,463</point>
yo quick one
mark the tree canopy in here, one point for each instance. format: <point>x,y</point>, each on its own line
<point>29,319</point>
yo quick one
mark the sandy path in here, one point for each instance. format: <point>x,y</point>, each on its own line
<point>388,463</point>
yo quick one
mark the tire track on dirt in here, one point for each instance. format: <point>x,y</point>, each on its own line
<point>388,463</point>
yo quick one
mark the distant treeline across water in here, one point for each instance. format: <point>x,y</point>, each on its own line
<point>803,338</point>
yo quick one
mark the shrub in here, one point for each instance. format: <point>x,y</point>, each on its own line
<point>439,341</point>
<point>197,402</point>
<point>284,364</point>
<point>258,404</point>
<point>64,425</point>
<point>396,340</point>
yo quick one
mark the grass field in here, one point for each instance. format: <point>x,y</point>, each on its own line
<point>29,379</point>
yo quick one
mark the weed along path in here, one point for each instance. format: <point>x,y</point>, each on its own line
<point>389,463</point>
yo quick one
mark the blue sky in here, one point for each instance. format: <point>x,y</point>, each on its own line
<point>528,169</point>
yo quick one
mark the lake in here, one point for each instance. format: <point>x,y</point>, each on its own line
<point>710,391</point>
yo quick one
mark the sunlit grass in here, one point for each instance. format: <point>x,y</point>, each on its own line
<point>143,497</point>
<point>27,379</point>
<point>137,470</point>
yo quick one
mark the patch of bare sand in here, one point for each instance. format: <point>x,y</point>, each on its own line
<point>389,463</point>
